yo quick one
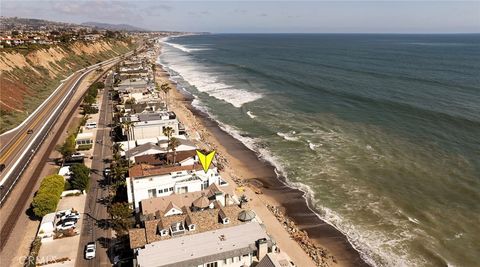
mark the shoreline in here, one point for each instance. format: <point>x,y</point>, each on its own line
<point>245,167</point>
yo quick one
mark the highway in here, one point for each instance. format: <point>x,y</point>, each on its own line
<point>19,146</point>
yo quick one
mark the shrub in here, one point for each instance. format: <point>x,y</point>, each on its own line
<point>88,109</point>
<point>31,260</point>
<point>68,147</point>
<point>84,147</point>
<point>80,176</point>
<point>48,195</point>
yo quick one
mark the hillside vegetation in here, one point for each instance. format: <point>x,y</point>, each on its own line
<point>29,76</point>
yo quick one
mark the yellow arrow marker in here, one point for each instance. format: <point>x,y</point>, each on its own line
<point>205,160</point>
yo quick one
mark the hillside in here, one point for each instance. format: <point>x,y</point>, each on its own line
<point>114,27</point>
<point>28,77</point>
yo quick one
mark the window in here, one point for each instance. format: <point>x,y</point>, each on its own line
<point>212,264</point>
<point>160,191</point>
<point>163,232</point>
<point>171,189</point>
<point>152,193</point>
<point>205,185</point>
<point>182,190</point>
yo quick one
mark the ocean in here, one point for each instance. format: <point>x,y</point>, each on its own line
<point>381,131</point>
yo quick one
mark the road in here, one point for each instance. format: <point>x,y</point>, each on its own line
<point>19,146</point>
<point>95,227</point>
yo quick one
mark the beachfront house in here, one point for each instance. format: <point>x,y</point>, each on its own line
<point>238,245</point>
<point>151,124</point>
<point>148,181</point>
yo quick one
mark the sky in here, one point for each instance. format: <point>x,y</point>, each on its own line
<point>355,16</point>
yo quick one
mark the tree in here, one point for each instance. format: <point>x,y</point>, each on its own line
<point>116,149</point>
<point>121,215</point>
<point>128,125</point>
<point>173,144</point>
<point>80,176</point>
<point>165,87</point>
<point>48,195</point>
<point>68,147</point>
<point>130,101</point>
<point>168,132</point>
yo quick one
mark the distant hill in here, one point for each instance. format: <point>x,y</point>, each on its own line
<point>16,23</point>
<point>114,27</point>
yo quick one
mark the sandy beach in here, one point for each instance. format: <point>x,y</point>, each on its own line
<point>309,238</point>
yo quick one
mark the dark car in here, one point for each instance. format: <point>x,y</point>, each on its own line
<point>107,172</point>
<point>2,167</point>
<point>30,131</point>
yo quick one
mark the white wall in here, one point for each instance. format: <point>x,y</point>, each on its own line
<point>153,129</point>
<point>162,182</point>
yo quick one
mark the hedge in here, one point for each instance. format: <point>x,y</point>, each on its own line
<point>48,195</point>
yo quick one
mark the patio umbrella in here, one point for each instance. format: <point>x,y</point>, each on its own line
<point>246,215</point>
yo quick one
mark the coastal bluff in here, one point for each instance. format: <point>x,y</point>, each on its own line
<point>29,75</point>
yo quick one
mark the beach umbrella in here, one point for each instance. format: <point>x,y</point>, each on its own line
<point>202,202</point>
<point>246,215</point>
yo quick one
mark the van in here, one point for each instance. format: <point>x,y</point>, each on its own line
<point>91,125</point>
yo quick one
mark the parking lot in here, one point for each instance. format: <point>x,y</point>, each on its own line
<point>64,249</point>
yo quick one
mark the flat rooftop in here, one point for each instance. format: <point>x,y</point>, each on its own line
<point>191,250</point>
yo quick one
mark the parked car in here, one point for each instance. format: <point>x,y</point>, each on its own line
<point>90,250</point>
<point>66,225</point>
<point>61,213</point>
<point>60,222</point>
<point>75,216</point>
<point>107,172</point>
<point>91,125</point>
<point>77,155</point>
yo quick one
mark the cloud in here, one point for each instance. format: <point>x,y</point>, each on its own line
<point>156,9</point>
<point>240,11</point>
<point>113,11</point>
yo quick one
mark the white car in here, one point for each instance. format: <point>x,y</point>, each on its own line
<point>90,250</point>
<point>66,225</point>
<point>70,216</point>
<point>61,213</point>
<point>78,155</point>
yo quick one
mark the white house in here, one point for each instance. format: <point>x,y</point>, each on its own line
<point>148,181</point>
<point>159,145</point>
<point>151,124</point>
<point>84,138</point>
<point>234,246</point>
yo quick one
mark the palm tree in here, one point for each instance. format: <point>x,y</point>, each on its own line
<point>168,132</point>
<point>117,148</point>
<point>173,144</point>
<point>165,87</point>
<point>128,125</point>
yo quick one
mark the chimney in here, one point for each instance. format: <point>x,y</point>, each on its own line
<point>262,248</point>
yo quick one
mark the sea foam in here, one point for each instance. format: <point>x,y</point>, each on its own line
<point>184,48</point>
<point>288,136</point>
<point>250,114</point>
<point>208,82</point>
